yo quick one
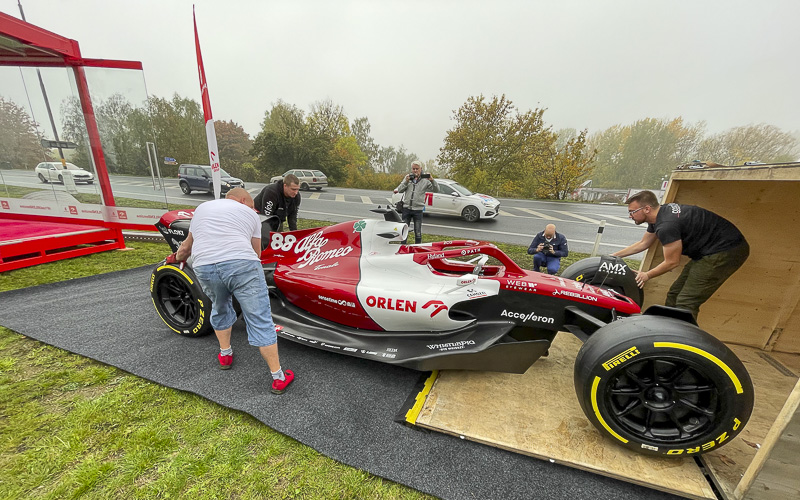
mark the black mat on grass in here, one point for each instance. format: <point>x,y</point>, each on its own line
<point>341,406</point>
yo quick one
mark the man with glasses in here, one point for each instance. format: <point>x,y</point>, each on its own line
<point>717,248</point>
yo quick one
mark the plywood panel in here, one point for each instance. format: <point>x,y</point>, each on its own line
<point>757,306</point>
<point>543,419</point>
<point>773,381</point>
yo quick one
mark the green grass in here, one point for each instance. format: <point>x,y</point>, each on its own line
<point>72,427</point>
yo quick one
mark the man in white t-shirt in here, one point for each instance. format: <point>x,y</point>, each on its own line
<point>225,242</point>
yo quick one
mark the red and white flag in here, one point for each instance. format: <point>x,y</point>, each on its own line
<point>211,135</point>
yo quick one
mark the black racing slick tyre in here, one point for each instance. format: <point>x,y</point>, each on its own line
<point>661,386</point>
<point>180,301</point>
<point>587,270</point>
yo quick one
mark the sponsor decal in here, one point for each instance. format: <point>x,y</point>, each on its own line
<point>350,349</point>
<point>186,215</point>
<point>451,346</point>
<point>391,349</point>
<point>466,281</point>
<point>621,358</point>
<point>268,208</point>
<point>436,256</point>
<point>388,355</point>
<point>579,278</point>
<point>338,302</point>
<point>73,210</point>
<point>676,209</point>
<point>34,207</point>
<point>373,353</point>
<point>648,447</point>
<point>326,266</point>
<point>475,294</point>
<point>278,328</point>
<point>122,214</point>
<point>611,268</point>
<point>359,226</point>
<point>5,205</point>
<point>575,294</point>
<point>469,251</point>
<point>525,317</point>
<point>520,285</point>
<point>330,346</point>
<point>392,304</point>
<point>436,305</point>
<point>310,247</point>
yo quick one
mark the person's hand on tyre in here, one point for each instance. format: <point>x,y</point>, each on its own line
<point>173,259</point>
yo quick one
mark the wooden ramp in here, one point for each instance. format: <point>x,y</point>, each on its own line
<point>538,414</point>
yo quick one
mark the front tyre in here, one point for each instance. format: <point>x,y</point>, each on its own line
<point>471,214</point>
<point>179,300</point>
<point>41,178</point>
<point>661,386</point>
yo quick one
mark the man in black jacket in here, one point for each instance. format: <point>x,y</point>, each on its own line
<point>281,199</point>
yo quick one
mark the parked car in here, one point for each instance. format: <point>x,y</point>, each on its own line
<point>308,179</point>
<point>455,199</point>
<point>52,171</point>
<point>198,178</point>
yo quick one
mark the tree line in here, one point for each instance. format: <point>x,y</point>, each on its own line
<point>493,146</point>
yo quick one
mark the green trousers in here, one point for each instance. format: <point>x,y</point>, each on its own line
<point>701,278</point>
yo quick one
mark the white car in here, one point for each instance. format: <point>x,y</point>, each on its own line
<point>52,171</point>
<point>455,199</point>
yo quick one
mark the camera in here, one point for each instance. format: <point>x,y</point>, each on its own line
<point>547,247</point>
<point>413,176</point>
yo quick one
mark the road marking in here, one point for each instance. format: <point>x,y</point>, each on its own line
<point>339,197</point>
<point>478,230</point>
<point>581,217</point>
<point>366,200</point>
<point>537,214</point>
<point>314,196</point>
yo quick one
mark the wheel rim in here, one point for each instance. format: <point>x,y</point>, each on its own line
<point>663,400</point>
<point>471,214</point>
<point>177,302</point>
<point>185,188</point>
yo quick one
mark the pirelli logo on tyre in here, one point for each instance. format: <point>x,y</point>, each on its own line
<point>621,358</point>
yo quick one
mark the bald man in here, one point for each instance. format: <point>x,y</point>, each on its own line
<point>225,242</point>
<point>547,249</point>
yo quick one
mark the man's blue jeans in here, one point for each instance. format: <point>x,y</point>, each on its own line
<point>552,262</point>
<point>416,215</point>
<point>243,279</point>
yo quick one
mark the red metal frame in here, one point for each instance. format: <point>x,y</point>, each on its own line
<point>40,47</point>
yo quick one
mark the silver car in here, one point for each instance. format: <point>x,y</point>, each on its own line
<point>52,171</point>
<point>308,179</point>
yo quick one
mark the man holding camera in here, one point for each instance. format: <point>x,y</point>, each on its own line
<point>547,249</point>
<point>415,185</point>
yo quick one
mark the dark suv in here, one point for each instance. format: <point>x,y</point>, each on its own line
<point>198,178</point>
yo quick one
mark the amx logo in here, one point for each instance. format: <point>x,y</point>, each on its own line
<point>620,269</point>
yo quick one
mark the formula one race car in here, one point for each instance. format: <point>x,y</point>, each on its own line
<point>654,382</point>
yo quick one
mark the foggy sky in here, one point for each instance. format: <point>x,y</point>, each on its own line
<point>407,66</point>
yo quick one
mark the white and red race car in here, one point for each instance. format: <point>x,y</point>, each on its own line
<point>654,382</point>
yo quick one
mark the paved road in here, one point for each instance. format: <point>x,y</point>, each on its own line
<point>518,221</point>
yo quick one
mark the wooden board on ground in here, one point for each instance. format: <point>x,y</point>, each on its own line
<point>538,414</point>
<point>774,376</point>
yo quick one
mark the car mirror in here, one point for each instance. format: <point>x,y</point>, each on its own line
<point>455,194</point>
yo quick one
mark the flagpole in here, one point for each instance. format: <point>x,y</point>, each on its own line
<point>211,135</point>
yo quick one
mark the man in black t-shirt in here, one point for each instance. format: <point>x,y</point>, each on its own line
<point>717,248</point>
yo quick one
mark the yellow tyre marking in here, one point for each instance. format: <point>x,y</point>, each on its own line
<point>419,401</point>
<point>154,300</point>
<point>708,356</point>
<point>597,411</point>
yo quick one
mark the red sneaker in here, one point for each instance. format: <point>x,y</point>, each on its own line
<point>225,362</point>
<point>279,386</point>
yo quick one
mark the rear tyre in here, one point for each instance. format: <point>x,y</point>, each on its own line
<point>185,188</point>
<point>180,301</point>
<point>661,386</point>
<point>41,178</point>
<point>471,213</point>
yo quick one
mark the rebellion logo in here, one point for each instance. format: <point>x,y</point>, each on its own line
<point>574,294</point>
